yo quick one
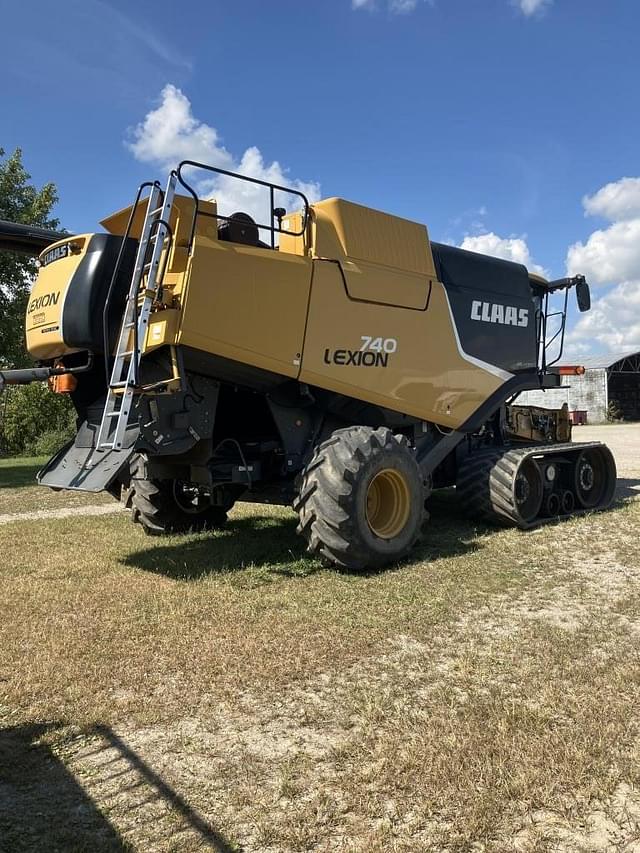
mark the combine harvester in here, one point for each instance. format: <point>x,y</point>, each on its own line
<point>346,365</point>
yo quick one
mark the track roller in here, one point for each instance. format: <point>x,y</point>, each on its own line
<point>527,486</point>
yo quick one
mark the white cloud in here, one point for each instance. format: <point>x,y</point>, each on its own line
<point>394,7</point>
<point>171,133</point>
<point>470,221</point>
<point>616,201</point>
<point>405,7</point>
<point>532,7</point>
<point>509,248</point>
<point>402,7</point>
<point>612,324</point>
<point>611,256</point>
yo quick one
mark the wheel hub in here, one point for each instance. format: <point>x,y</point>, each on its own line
<point>188,497</point>
<point>388,503</point>
<point>522,489</point>
<point>587,477</point>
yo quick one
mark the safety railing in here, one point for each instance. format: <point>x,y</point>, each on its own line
<point>277,214</point>
<point>545,344</point>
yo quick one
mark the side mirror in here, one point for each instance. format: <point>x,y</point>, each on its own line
<point>583,295</point>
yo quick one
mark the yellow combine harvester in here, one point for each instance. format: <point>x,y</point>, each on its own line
<point>345,364</point>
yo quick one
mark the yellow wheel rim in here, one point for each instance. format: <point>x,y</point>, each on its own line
<point>388,503</point>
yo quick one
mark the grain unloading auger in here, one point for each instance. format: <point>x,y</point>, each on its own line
<point>345,364</point>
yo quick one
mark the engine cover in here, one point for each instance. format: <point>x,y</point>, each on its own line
<point>64,312</point>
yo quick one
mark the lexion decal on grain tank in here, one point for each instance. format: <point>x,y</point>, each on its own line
<point>374,352</point>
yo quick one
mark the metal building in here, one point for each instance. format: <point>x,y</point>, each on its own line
<point>613,378</point>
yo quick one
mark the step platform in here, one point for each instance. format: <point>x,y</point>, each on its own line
<point>78,466</point>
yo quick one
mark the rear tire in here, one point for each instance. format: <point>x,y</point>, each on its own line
<point>361,499</point>
<point>161,506</point>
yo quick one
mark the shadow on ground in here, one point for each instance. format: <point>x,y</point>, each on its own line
<point>271,544</point>
<point>44,808</point>
<point>262,542</point>
<point>627,489</point>
<point>18,474</point>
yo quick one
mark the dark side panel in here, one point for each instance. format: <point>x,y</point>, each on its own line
<point>87,292</point>
<point>492,306</point>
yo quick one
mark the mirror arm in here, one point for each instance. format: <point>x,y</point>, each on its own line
<point>562,283</point>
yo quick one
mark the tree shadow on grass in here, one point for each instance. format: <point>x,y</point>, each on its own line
<point>269,546</point>
<point>44,808</point>
<point>19,474</point>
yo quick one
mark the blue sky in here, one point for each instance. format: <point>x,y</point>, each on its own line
<point>489,120</point>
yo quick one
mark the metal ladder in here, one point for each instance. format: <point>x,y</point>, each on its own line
<point>146,283</point>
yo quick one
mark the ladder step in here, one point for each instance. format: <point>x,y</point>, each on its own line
<point>143,289</point>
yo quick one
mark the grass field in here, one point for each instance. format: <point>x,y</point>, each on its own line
<point>19,492</point>
<point>224,692</point>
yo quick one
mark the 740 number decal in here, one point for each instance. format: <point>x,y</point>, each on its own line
<point>387,345</point>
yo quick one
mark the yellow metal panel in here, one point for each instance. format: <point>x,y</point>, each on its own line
<point>43,324</point>
<point>324,237</point>
<point>288,243</point>
<point>386,285</point>
<point>425,375</point>
<point>246,303</point>
<point>370,235</point>
<point>180,219</point>
<point>162,329</point>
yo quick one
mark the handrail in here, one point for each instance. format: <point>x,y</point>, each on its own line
<point>153,232</point>
<point>273,188</point>
<point>543,317</point>
<point>116,271</point>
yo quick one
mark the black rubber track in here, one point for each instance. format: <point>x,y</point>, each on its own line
<point>330,500</point>
<point>486,482</point>
<point>153,505</point>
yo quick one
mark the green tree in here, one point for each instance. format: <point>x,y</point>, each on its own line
<point>20,201</point>
<point>36,421</point>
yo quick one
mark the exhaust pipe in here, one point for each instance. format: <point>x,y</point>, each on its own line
<point>27,375</point>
